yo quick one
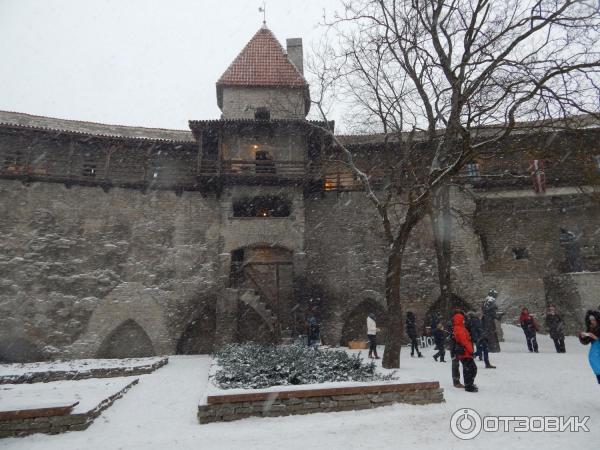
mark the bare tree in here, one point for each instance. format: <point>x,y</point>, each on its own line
<point>444,79</point>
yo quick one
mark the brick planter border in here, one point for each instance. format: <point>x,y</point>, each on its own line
<point>228,407</point>
<point>58,423</point>
<point>59,375</point>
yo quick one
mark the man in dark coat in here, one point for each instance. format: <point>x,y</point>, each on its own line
<point>556,328</point>
<point>479,337</point>
<point>439,337</point>
<point>313,331</point>
<point>488,321</point>
<point>411,331</point>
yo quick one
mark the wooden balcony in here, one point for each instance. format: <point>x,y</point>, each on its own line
<point>258,171</point>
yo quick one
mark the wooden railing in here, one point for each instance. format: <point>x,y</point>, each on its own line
<point>253,168</point>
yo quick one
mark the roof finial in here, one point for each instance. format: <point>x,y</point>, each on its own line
<point>263,9</point>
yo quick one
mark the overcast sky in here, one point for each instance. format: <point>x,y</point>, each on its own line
<point>134,62</point>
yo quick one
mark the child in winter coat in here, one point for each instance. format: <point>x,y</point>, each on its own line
<point>529,326</point>
<point>439,336</point>
<point>592,335</point>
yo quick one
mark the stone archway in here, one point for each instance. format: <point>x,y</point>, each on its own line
<point>355,323</point>
<point>199,336</point>
<point>128,340</point>
<point>128,301</point>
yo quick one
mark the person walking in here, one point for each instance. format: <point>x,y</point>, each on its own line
<point>556,329</point>
<point>411,331</point>
<point>479,337</point>
<point>530,328</point>
<point>313,330</point>
<point>372,335</point>
<point>592,336</point>
<point>464,351</point>
<point>474,328</point>
<point>453,357</point>
<point>439,337</point>
<point>491,314</point>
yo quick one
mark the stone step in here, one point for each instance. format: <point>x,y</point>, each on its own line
<point>251,298</point>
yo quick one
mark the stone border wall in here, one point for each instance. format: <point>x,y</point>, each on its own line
<point>58,424</point>
<point>228,407</point>
<point>54,375</point>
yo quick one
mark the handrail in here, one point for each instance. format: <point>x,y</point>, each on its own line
<point>272,296</point>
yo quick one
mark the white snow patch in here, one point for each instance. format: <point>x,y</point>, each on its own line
<point>160,412</point>
<point>89,393</point>
<point>75,365</point>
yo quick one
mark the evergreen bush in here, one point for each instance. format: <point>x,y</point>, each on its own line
<point>255,366</point>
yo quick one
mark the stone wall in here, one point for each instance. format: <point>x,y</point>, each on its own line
<point>42,423</point>
<point>229,407</point>
<point>283,103</point>
<point>347,260</point>
<point>98,372</point>
<point>573,294</point>
<point>77,263</point>
<point>520,220</point>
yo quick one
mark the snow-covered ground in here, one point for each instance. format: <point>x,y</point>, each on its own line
<point>75,365</point>
<point>88,393</point>
<point>160,412</point>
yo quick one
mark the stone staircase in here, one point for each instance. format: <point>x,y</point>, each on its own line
<point>251,298</point>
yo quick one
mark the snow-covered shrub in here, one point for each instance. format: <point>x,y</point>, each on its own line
<point>255,366</point>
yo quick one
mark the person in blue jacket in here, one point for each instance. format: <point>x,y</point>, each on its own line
<point>592,336</point>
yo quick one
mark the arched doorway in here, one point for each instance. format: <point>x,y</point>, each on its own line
<point>268,271</point>
<point>355,325</point>
<point>199,335</point>
<point>128,340</point>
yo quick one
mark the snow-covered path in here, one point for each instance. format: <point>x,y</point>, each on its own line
<point>160,412</point>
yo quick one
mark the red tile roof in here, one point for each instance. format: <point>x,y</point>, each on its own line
<point>262,62</point>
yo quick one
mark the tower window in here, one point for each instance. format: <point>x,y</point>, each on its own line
<point>88,169</point>
<point>520,253</point>
<point>262,206</point>
<point>472,170</point>
<point>262,113</point>
<point>14,162</point>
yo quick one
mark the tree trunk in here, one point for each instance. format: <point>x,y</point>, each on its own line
<point>442,233</point>
<point>393,345</point>
<point>391,355</point>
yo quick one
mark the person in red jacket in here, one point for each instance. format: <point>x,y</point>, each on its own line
<point>464,351</point>
<point>530,327</point>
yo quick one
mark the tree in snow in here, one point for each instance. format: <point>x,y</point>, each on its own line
<point>442,80</point>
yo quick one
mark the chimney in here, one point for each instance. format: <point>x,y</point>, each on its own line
<point>294,51</point>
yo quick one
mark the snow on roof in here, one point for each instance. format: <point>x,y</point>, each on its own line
<point>22,120</point>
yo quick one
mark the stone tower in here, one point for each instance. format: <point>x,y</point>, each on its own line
<point>262,82</point>
<point>257,158</point>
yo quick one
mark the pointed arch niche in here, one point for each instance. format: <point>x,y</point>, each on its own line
<point>128,340</point>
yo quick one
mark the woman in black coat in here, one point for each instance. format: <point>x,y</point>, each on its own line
<point>439,336</point>
<point>556,329</point>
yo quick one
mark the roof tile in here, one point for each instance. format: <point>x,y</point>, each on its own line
<point>262,62</point>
